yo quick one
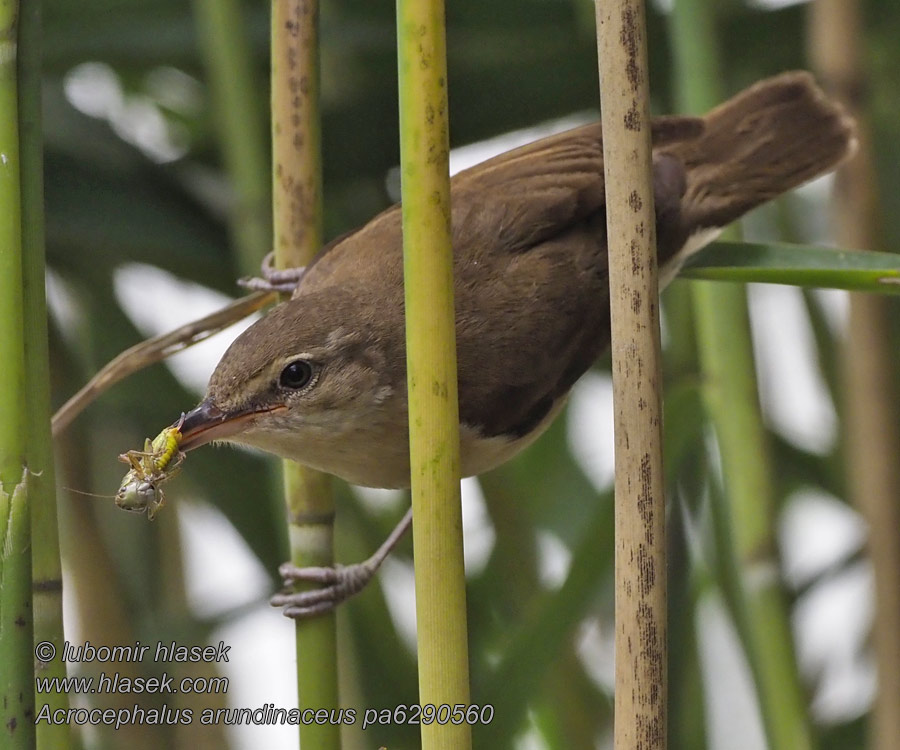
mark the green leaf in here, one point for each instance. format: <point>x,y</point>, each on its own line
<point>799,265</point>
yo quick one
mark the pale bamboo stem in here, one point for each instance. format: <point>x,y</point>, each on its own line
<point>297,199</point>
<point>640,610</point>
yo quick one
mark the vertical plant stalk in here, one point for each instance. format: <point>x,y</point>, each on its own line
<point>16,623</point>
<point>640,610</point>
<point>297,200</point>
<point>16,626</point>
<point>431,368</point>
<point>229,67</point>
<point>46,572</point>
<point>745,516</point>
<point>870,396</point>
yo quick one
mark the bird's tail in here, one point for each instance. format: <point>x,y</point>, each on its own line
<point>774,136</point>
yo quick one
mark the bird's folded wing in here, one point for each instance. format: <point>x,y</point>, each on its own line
<point>533,193</point>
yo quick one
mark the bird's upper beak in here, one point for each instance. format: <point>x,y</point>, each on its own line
<point>207,422</point>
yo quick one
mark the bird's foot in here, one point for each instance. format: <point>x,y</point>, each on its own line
<point>337,583</point>
<point>274,279</point>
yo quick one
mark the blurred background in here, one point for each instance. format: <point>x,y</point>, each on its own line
<point>157,200</point>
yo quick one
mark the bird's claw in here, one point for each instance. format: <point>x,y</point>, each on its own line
<point>274,279</point>
<point>337,583</point>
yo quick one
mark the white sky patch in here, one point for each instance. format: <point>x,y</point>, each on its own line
<point>775,4</point>
<point>833,622</point>
<point>596,649</point>
<point>478,531</point>
<point>589,429</point>
<point>836,309</point>
<point>398,581</point>
<point>94,89</point>
<point>379,500</point>
<point>834,617</point>
<point>810,208</point>
<point>158,302</point>
<point>63,306</point>
<point>817,531</point>
<point>176,90</point>
<point>554,560</point>
<point>209,538</point>
<point>530,737</point>
<point>732,714</point>
<point>794,397</point>
<point>262,668</point>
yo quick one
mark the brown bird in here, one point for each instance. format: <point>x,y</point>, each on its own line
<point>322,378</point>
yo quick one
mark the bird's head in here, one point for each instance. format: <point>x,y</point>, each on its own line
<point>309,381</point>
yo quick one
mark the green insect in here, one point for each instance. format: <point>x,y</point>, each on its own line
<point>140,490</point>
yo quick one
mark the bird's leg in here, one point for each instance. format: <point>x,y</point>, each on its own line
<point>274,279</point>
<point>338,583</point>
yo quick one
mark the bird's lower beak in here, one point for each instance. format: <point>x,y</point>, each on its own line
<point>207,422</point>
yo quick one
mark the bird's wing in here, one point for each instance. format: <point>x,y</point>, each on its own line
<point>532,193</point>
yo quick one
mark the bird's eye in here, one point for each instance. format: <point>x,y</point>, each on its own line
<point>296,374</point>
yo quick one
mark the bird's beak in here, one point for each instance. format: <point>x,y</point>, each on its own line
<point>207,422</point>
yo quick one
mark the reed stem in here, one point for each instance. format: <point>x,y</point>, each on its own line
<point>640,608</point>
<point>297,201</point>
<point>46,572</point>
<point>431,369</point>
<point>17,727</point>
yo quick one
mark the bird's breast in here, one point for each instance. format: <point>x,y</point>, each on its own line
<point>376,454</point>
<point>479,454</point>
